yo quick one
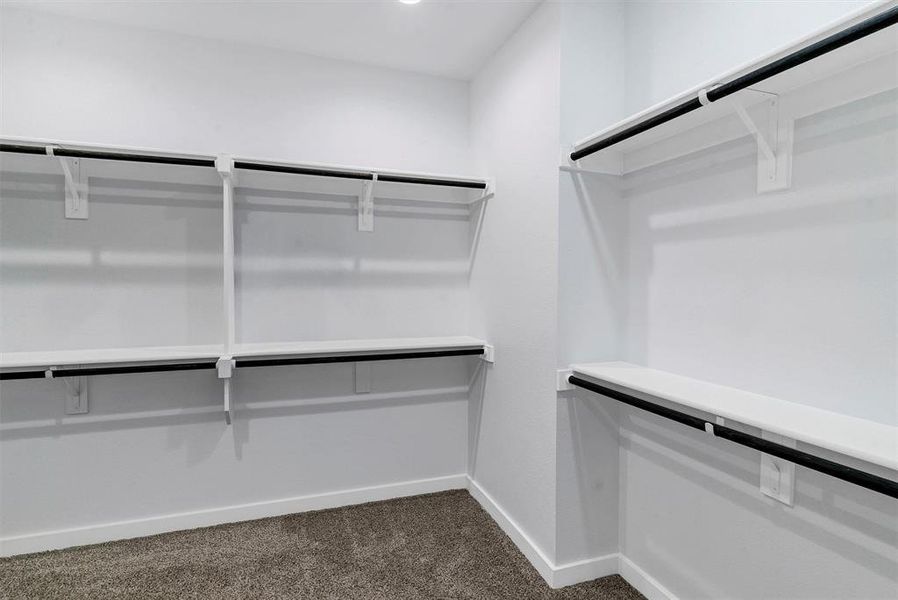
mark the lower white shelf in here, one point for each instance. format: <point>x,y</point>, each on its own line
<point>371,346</point>
<point>876,443</point>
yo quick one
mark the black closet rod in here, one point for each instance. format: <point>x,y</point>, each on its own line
<point>239,164</point>
<point>833,469</point>
<point>799,57</point>
<point>240,362</point>
<point>105,155</point>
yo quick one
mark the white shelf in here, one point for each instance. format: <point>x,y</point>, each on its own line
<point>370,346</point>
<point>859,69</point>
<point>176,354</point>
<point>75,145</point>
<point>106,356</point>
<point>869,441</point>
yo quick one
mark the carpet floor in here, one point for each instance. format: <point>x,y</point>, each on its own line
<point>441,546</point>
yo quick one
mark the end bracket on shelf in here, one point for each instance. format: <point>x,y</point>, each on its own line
<point>606,162</point>
<point>489,354</point>
<point>488,192</point>
<point>561,380</point>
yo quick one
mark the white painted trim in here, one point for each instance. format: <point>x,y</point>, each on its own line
<point>120,530</point>
<point>585,570</point>
<point>555,576</point>
<point>524,542</point>
<point>644,583</point>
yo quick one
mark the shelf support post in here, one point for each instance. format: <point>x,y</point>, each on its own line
<point>224,164</point>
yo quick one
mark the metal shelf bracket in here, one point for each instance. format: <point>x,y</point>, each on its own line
<point>366,205</point>
<point>489,354</point>
<point>225,367</point>
<point>76,193</point>
<point>774,138</point>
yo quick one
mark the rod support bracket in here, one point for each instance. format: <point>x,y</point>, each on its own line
<point>774,138</point>
<point>76,192</point>
<point>489,354</point>
<point>224,164</point>
<point>366,204</point>
<point>605,162</point>
<point>225,367</point>
<point>488,192</point>
<point>562,383</point>
<point>778,474</point>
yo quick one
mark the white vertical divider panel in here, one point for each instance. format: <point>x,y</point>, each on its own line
<point>224,164</point>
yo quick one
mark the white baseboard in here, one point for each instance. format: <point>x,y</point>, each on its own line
<point>524,542</point>
<point>121,530</point>
<point>556,576</point>
<point>644,583</point>
<point>584,570</point>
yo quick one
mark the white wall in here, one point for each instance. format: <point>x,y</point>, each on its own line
<point>99,83</point>
<point>515,129</point>
<point>145,270</point>
<point>592,281</point>
<point>791,294</point>
<point>673,45</point>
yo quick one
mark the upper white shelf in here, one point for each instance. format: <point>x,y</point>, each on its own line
<point>180,354</point>
<point>370,346</point>
<point>863,67</point>
<point>131,154</point>
<point>109,356</point>
<point>869,441</point>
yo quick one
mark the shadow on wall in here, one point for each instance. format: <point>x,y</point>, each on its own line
<point>743,289</point>
<point>33,408</point>
<point>849,521</point>
<point>153,246</point>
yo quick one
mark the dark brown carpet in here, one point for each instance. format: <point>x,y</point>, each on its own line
<point>435,546</point>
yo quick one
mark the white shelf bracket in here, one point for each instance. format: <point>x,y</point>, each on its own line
<point>75,395</point>
<point>76,206</point>
<point>777,474</point>
<point>488,192</point>
<point>774,139</point>
<point>604,162</point>
<point>225,366</point>
<point>366,205</point>
<point>224,164</point>
<point>489,354</point>
<point>561,380</point>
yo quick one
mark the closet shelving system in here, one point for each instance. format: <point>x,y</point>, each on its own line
<point>852,59</point>
<point>227,356</point>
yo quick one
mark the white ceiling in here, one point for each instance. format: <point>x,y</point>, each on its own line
<point>449,38</point>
